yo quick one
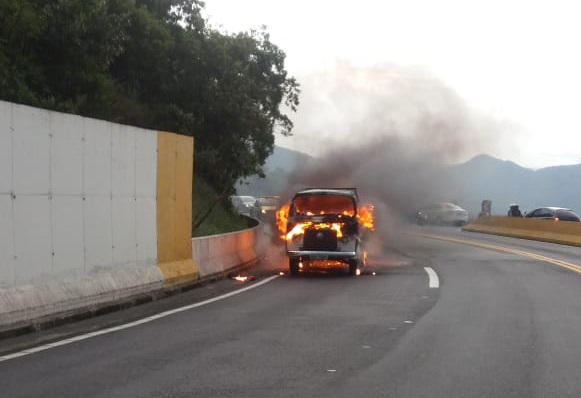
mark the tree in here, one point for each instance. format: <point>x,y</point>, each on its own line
<point>20,30</point>
<point>246,84</point>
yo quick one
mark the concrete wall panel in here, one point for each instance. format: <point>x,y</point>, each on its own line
<point>66,154</point>
<point>6,242</point>
<point>183,195</point>
<point>166,225</point>
<point>124,240</point>
<point>174,202</point>
<point>97,158</point>
<point>123,161</point>
<point>5,148</point>
<point>145,163</point>
<point>146,231</point>
<point>98,233</point>
<point>31,150</point>
<point>67,235</point>
<point>32,238</point>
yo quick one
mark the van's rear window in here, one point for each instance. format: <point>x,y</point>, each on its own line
<point>324,204</point>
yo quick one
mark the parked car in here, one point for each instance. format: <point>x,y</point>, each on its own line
<point>244,205</point>
<point>553,213</point>
<point>442,214</point>
<point>267,206</point>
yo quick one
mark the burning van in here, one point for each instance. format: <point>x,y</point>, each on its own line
<point>323,229</point>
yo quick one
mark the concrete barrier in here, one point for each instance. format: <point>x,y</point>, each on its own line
<point>562,232</point>
<point>218,254</point>
<point>34,306</point>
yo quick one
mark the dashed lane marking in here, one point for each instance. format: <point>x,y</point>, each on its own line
<point>434,282</point>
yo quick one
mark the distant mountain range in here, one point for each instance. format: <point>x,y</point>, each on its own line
<point>505,182</point>
<point>483,177</point>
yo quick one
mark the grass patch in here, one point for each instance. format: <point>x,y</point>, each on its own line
<point>221,220</point>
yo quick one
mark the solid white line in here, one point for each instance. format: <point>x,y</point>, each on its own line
<point>132,324</point>
<point>434,280</point>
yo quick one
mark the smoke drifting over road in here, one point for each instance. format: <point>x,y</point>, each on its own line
<point>387,131</point>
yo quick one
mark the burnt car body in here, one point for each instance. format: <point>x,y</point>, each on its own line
<point>323,230</point>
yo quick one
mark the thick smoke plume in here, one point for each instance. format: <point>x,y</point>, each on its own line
<point>387,131</point>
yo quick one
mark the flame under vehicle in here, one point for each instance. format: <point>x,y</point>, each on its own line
<point>323,230</point>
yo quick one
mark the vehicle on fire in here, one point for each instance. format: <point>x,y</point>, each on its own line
<point>323,230</point>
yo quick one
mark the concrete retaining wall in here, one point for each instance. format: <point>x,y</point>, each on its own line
<point>562,232</point>
<point>80,209</point>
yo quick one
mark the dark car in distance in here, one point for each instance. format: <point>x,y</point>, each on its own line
<point>553,213</point>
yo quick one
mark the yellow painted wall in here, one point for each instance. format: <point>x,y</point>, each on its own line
<point>563,232</point>
<point>175,159</point>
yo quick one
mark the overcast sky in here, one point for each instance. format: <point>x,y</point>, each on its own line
<point>514,65</point>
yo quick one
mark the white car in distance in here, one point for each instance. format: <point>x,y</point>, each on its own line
<point>244,204</point>
<point>443,214</point>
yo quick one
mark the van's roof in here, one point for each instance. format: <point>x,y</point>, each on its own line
<point>351,192</point>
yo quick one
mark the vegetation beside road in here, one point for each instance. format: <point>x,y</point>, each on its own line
<point>221,217</point>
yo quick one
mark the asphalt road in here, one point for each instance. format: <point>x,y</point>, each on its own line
<point>503,323</point>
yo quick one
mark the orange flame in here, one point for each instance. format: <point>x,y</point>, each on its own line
<point>281,220</point>
<point>241,278</point>
<point>299,229</point>
<point>365,216</point>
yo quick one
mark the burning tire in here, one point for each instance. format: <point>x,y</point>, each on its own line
<point>293,266</point>
<point>353,266</point>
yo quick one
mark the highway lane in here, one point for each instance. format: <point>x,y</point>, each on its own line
<point>288,337</point>
<point>552,250</point>
<point>504,325</point>
<point>500,325</point>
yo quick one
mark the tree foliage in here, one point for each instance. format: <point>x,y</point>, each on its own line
<point>155,64</point>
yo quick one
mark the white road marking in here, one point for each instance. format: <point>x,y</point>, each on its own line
<point>132,324</point>
<point>434,280</point>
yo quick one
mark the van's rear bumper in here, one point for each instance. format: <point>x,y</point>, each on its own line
<point>321,255</point>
